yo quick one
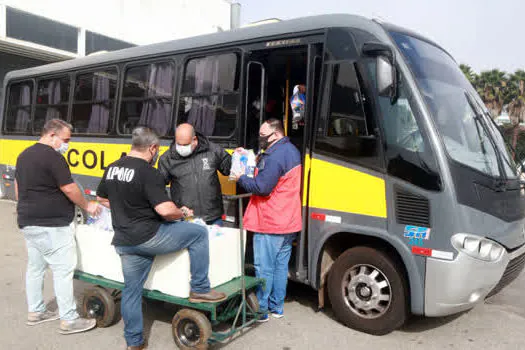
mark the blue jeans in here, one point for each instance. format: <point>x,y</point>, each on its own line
<point>54,247</point>
<point>217,222</point>
<point>137,261</point>
<point>272,254</point>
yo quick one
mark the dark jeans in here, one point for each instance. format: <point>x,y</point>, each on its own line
<point>137,261</point>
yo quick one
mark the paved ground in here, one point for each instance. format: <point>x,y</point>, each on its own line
<point>497,324</point>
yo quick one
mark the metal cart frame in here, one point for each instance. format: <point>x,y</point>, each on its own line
<point>192,325</point>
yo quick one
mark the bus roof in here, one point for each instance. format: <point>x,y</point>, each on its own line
<point>245,34</point>
<point>305,24</point>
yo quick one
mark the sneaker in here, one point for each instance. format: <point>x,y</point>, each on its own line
<point>34,318</point>
<point>77,326</point>
<point>277,315</point>
<point>263,318</point>
<point>211,297</point>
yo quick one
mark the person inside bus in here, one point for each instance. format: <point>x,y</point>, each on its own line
<point>190,166</point>
<point>273,213</point>
<point>47,195</point>
<point>146,223</point>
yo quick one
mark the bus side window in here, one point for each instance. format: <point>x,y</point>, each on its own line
<point>52,99</point>
<point>147,98</point>
<point>18,113</point>
<point>93,103</point>
<point>345,129</point>
<point>210,95</point>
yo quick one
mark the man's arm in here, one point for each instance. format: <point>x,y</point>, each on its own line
<point>163,167</point>
<point>265,181</point>
<point>103,201</point>
<point>16,190</point>
<point>225,161</point>
<point>169,211</point>
<point>75,195</point>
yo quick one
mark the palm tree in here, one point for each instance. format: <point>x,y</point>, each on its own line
<point>469,73</point>
<point>493,88</point>
<point>516,106</point>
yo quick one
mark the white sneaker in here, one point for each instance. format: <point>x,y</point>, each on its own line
<point>277,315</point>
<point>77,326</point>
<point>34,318</point>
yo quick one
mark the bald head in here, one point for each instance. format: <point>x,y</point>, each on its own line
<point>185,134</point>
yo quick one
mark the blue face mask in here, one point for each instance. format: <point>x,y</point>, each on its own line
<point>63,148</point>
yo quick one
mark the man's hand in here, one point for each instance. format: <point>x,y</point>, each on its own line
<point>93,209</point>
<point>236,176</point>
<point>186,211</point>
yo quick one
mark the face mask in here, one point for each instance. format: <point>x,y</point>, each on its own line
<point>263,142</point>
<point>153,160</point>
<point>63,148</point>
<point>184,151</point>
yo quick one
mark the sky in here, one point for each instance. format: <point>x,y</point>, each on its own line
<point>484,34</point>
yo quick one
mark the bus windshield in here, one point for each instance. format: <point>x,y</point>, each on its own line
<point>469,135</point>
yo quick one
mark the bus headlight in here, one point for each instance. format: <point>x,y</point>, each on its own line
<point>477,247</point>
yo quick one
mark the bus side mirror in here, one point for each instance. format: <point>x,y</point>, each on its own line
<point>386,75</point>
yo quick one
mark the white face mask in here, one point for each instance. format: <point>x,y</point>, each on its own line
<point>63,148</point>
<point>184,151</point>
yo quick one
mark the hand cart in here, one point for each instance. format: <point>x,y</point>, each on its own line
<point>192,324</point>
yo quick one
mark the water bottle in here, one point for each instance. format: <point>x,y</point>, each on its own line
<point>250,166</point>
<point>244,161</point>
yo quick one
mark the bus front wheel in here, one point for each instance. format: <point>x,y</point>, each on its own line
<point>368,291</point>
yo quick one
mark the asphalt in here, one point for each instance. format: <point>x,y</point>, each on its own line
<point>496,324</point>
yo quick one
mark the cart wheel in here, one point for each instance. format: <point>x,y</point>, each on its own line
<point>100,305</point>
<point>191,329</point>
<point>253,302</point>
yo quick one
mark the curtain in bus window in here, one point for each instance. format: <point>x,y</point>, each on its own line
<point>54,99</point>
<point>100,110</point>
<point>203,111</point>
<point>156,110</point>
<point>23,114</point>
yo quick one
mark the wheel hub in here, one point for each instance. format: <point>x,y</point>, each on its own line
<point>367,291</point>
<point>95,308</point>
<point>189,333</point>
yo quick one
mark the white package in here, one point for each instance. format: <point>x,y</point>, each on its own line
<point>170,273</point>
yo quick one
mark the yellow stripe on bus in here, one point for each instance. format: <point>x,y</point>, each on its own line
<point>86,158</point>
<point>335,187</point>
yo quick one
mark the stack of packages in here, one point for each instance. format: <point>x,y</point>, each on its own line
<point>170,273</point>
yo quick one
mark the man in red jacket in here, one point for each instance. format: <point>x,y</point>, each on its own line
<point>274,213</point>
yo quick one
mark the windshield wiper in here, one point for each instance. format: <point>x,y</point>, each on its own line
<point>487,115</point>
<point>499,184</point>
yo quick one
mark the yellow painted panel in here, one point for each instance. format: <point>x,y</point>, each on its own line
<point>335,187</point>
<point>86,158</point>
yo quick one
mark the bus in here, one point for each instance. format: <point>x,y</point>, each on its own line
<point>412,202</point>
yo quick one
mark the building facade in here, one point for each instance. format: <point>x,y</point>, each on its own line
<point>34,32</point>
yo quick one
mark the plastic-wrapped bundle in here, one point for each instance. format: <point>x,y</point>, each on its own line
<point>243,162</point>
<point>102,221</point>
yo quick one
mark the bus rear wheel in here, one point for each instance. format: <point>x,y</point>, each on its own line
<point>368,291</point>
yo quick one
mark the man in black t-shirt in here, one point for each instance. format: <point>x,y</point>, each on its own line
<point>46,197</point>
<point>144,221</point>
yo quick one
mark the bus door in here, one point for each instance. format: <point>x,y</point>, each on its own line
<point>272,76</point>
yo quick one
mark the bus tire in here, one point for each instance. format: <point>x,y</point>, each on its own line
<point>368,291</point>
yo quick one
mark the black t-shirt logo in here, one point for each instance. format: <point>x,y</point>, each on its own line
<point>122,174</point>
